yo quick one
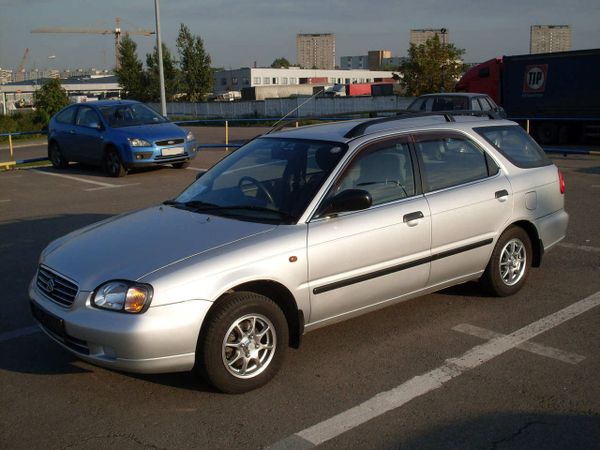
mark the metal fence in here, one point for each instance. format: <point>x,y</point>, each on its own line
<point>279,107</point>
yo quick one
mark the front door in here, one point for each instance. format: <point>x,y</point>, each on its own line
<point>362,258</point>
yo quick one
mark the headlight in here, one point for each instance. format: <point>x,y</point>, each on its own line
<point>137,142</point>
<point>123,296</point>
<point>189,136</point>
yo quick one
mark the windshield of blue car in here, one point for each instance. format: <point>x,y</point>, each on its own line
<point>130,114</point>
<point>269,180</point>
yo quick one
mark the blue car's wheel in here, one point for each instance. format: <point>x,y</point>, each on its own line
<point>112,164</point>
<point>56,157</point>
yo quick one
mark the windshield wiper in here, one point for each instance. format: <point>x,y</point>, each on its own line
<point>193,205</point>
<point>286,216</point>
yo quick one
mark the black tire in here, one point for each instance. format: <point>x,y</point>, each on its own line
<point>56,156</point>
<point>227,355</point>
<point>112,164</point>
<point>181,165</point>
<point>509,264</point>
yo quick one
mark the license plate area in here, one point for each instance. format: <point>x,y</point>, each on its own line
<point>49,321</point>
<point>173,151</point>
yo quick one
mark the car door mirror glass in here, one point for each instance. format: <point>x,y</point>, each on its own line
<point>346,201</point>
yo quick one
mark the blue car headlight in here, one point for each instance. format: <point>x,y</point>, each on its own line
<point>123,296</point>
<point>138,142</point>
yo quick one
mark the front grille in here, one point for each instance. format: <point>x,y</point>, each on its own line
<point>56,287</point>
<point>170,142</point>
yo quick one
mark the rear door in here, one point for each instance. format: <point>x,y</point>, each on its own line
<point>362,258</point>
<point>470,200</point>
<point>88,139</point>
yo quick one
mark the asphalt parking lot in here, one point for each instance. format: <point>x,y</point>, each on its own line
<point>453,369</point>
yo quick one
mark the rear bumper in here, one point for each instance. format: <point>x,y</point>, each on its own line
<point>552,228</point>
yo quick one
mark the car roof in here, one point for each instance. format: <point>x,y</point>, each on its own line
<point>348,130</point>
<point>109,102</point>
<point>454,94</point>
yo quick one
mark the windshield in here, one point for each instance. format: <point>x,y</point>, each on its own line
<point>267,180</point>
<point>132,114</point>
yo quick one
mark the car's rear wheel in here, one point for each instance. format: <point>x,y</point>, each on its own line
<point>181,165</point>
<point>509,265</point>
<point>112,163</point>
<point>243,344</point>
<point>56,156</point>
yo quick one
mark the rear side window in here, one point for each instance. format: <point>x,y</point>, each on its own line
<point>66,116</point>
<point>516,145</point>
<point>451,161</point>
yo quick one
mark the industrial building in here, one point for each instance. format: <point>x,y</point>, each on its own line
<point>549,38</point>
<point>20,94</point>
<point>420,36</point>
<point>375,60</point>
<point>315,51</point>
<point>238,79</point>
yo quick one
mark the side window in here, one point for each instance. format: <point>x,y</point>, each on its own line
<point>66,116</point>
<point>384,170</point>
<point>87,117</point>
<point>451,161</point>
<point>475,106</point>
<point>485,104</point>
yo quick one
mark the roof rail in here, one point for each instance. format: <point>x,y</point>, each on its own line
<point>448,116</point>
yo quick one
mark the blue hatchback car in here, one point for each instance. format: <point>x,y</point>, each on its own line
<point>117,135</point>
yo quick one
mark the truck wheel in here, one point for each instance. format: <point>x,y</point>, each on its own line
<point>56,156</point>
<point>547,133</point>
<point>244,343</point>
<point>509,264</point>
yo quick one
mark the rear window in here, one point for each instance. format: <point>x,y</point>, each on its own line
<point>516,145</point>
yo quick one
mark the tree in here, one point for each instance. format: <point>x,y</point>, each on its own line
<point>171,74</point>
<point>431,67</point>
<point>194,61</point>
<point>131,74</point>
<point>280,62</point>
<point>49,99</point>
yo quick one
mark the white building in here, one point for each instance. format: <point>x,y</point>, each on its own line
<point>238,79</point>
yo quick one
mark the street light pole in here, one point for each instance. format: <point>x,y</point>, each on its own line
<point>161,74</point>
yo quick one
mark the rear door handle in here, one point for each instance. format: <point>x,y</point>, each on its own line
<point>411,218</point>
<point>501,195</point>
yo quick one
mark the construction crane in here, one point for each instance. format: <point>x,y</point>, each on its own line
<point>116,32</point>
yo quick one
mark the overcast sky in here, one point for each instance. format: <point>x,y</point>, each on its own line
<point>238,33</point>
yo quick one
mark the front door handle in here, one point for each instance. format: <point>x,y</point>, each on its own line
<point>411,218</point>
<point>501,195</point>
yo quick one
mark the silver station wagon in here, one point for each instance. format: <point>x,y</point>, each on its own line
<point>296,230</point>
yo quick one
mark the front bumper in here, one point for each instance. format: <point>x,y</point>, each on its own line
<point>157,155</point>
<point>162,339</point>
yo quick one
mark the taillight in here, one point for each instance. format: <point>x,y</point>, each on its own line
<point>561,181</point>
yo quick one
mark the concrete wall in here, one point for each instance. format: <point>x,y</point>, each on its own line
<point>278,107</point>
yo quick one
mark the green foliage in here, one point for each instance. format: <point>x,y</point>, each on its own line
<point>171,75</point>
<point>21,121</point>
<point>280,63</point>
<point>49,99</point>
<point>131,74</point>
<point>431,67</point>
<point>194,61</point>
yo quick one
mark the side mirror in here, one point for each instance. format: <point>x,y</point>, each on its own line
<point>200,173</point>
<point>97,126</point>
<point>501,112</point>
<point>348,200</point>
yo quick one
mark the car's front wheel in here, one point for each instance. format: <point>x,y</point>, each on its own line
<point>509,265</point>
<point>56,156</point>
<point>112,163</point>
<point>244,343</point>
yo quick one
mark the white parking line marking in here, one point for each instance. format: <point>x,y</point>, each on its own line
<point>585,248</point>
<point>196,169</point>
<point>110,187</point>
<point>423,384</point>
<point>532,347</point>
<point>83,180</point>
<point>19,333</point>
<point>5,200</point>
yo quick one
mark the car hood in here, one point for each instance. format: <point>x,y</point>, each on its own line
<point>133,245</point>
<point>153,132</point>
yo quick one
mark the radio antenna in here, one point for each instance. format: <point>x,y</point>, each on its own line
<point>274,127</point>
